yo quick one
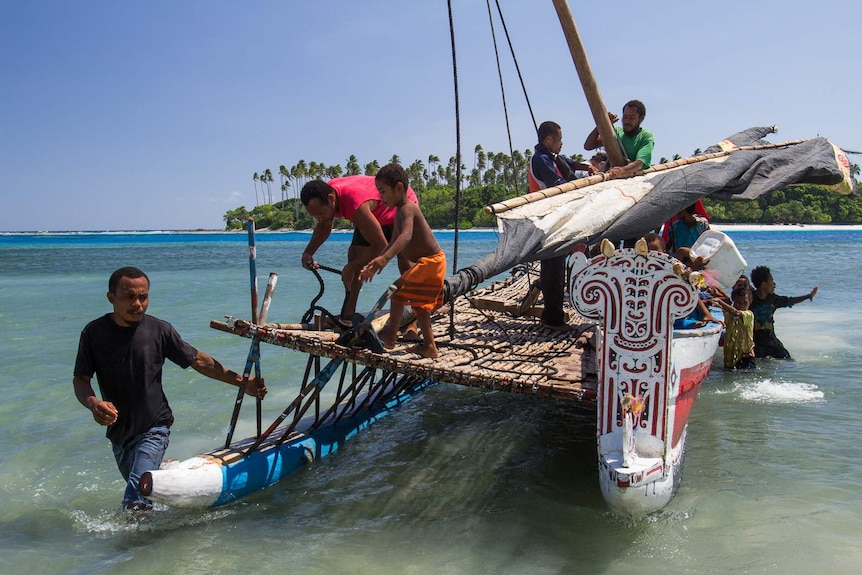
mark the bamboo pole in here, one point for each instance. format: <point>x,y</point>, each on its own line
<point>519,201</point>
<point>588,82</point>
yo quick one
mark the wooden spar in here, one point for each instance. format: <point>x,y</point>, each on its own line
<point>252,269</point>
<point>253,359</point>
<point>588,82</point>
<point>519,201</point>
<point>500,348</point>
<point>267,297</point>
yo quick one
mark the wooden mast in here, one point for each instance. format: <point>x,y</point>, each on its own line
<point>588,82</point>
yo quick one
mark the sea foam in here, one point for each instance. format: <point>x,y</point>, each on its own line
<point>769,391</point>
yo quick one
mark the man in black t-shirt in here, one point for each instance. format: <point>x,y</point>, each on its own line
<point>126,350</point>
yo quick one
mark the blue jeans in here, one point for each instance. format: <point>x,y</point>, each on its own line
<point>145,453</point>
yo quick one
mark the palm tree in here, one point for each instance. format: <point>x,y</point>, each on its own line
<point>284,178</point>
<point>451,172</point>
<point>476,151</point>
<point>256,179</point>
<point>519,164</point>
<point>441,174</point>
<point>498,163</point>
<point>432,159</point>
<point>371,168</point>
<point>302,169</point>
<point>298,172</point>
<point>395,159</point>
<point>474,180</point>
<point>353,168</point>
<point>416,172</point>
<point>481,159</point>
<point>320,172</point>
<point>267,179</point>
<point>334,171</point>
<point>284,185</point>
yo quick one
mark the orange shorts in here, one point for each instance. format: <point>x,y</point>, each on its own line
<point>422,285</point>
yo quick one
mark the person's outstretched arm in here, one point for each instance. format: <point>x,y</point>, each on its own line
<point>207,365</point>
<point>809,297</point>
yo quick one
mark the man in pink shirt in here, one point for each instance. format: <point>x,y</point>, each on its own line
<point>353,198</point>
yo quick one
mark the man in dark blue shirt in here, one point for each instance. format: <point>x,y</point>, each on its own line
<point>549,168</point>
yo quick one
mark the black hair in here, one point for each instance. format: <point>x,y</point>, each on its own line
<point>548,128</point>
<point>126,272</point>
<point>636,104</point>
<point>391,174</point>
<point>316,189</point>
<point>738,291</point>
<point>759,275</point>
<point>654,237</point>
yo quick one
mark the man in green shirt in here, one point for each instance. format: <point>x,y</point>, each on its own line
<point>637,142</point>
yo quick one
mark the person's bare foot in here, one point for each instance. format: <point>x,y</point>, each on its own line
<point>388,344</point>
<point>425,350</point>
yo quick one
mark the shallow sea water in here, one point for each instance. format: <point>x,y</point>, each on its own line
<point>459,480</point>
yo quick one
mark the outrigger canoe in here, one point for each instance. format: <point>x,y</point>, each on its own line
<point>621,355</point>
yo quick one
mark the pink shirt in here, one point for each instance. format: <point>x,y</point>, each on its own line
<point>353,191</point>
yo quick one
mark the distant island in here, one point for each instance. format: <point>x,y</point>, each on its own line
<point>500,176</point>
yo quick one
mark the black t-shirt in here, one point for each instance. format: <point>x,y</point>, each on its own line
<point>127,362</point>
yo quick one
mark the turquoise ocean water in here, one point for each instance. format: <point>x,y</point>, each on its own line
<point>458,481</point>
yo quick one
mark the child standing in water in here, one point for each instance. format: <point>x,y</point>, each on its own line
<point>421,286</point>
<point>739,336</point>
<point>764,303</point>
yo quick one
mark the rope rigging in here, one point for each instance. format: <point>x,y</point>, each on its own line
<point>457,161</point>
<point>458,198</point>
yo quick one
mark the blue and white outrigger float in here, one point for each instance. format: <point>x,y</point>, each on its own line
<point>622,355</point>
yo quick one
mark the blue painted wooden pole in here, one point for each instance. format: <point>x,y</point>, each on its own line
<point>254,352</point>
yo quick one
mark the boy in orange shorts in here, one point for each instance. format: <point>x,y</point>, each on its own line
<point>421,286</point>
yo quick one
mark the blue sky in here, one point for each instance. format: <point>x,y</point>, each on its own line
<point>154,115</point>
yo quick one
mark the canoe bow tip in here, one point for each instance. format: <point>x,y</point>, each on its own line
<point>145,485</point>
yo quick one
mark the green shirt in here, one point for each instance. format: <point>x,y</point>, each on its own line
<point>637,147</point>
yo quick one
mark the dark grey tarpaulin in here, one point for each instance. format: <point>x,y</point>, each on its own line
<point>621,209</point>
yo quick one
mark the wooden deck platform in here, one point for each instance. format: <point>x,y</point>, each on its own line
<point>492,345</point>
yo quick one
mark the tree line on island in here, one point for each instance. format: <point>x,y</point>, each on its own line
<point>495,177</point>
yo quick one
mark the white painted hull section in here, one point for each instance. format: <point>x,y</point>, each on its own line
<point>650,484</point>
<point>649,374</point>
<point>222,476</point>
<point>195,482</point>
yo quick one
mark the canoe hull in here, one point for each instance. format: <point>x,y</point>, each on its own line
<point>649,483</point>
<point>223,476</point>
<point>649,373</point>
